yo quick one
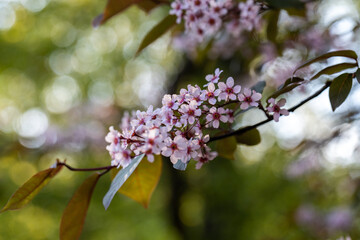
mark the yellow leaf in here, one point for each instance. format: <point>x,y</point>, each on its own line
<point>142,182</point>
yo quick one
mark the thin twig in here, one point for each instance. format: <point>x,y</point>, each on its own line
<point>107,168</point>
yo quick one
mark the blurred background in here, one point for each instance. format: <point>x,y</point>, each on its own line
<point>63,83</point>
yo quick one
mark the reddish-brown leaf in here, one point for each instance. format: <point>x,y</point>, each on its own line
<point>114,7</point>
<point>161,28</point>
<point>73,218</point>
<point>31,188</point>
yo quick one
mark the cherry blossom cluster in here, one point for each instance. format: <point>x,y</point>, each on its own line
<point>180,128</point>
<point>204,18</point>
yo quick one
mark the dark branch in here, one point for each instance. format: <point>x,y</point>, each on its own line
<point>107,168</point>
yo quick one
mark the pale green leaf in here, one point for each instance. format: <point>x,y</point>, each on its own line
<point>120,179</point>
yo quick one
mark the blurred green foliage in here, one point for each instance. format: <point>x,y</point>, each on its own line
<point>81,79</point>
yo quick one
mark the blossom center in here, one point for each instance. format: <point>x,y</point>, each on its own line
<point>173,146</point>
<point>216,116</point>
<point>229,91</point>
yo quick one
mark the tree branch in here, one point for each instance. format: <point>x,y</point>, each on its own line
<point>107,168</point>
<point>270,118</point>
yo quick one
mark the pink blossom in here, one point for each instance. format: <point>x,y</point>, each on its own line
<point>198,4</point>
<point>211,93</point>
<point>113,137</point>
<point>126,136</point>
<point>249,15</point>
<point>182,96</point>
<point>122,158</point>
<point>170,101</point>
<point>213,78</point>
<point>202,140</point>
<point>228,90</point>
<point>218,7</point>
<point>215,116</point>
<point>190,112</point>
<point>175,148</point>
<point>153,117</point>
<point>140,120</point>
<point>191,151</point>
<point>230,115</point>
<point>249,98</point>
<point>195,94</point>
<point>176,130</point>
<point>212,23</point>
<point>177,8</point>
<point>170,120</point>
<point>205,157</point>
<point>153,143</point>
<point>275,108</point>
<point>234,27</point>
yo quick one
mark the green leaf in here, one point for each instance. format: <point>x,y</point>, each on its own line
<point>339,90</point>
<point>31,188</point>
<point>73,218</point>
<point>283,90</point>
<point>291,81</point>
<point>259,86</point>
<point>299,12</point>
<point>272,27</point>
<point>162,27</point>
<point>142,183</point>
<point>357,75</point>
<point>120,179</point>
<point>249,138</point>
<point>226,147</point>
<point>341,53</point>
<point>334,69</point>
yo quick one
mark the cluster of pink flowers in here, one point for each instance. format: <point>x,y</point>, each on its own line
<point>178,129</point>
<point>204,18</point>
